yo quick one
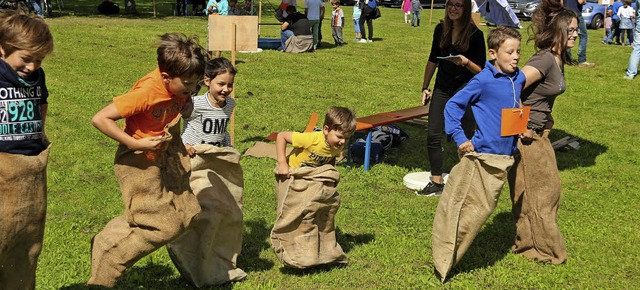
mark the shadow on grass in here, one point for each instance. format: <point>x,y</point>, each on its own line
<point>491,244</point>
<point>150,276</point>
<point>413,152</point>
<point>254,242</point>
<point>346,241</point>
<point>585,156</point>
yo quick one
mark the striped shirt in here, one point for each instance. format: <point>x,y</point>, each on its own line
<point>207,123</point>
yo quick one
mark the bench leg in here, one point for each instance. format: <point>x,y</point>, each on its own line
<point>367,151</point>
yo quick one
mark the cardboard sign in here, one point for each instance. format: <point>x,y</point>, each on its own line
<point>514,121</point>
<point>221,37</point>
<point>604,2</point>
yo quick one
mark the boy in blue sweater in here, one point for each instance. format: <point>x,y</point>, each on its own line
<point>474,185</point>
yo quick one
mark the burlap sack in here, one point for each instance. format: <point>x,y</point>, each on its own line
<point>468,199</point>
<point>304,231</point>
<point>535,194</point>
<point>206,254</point>
<point>159,206</point>
<point>23,205</point>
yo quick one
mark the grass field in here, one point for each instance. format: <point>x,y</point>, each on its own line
<point>384,228</point>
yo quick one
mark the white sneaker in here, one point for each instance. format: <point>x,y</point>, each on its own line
<point>369,40</point>
<point>362,40</point>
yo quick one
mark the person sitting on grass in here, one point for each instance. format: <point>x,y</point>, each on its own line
<point>295,24</point>
<point>474,185</point>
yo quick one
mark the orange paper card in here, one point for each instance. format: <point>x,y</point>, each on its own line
<point>514,121</point>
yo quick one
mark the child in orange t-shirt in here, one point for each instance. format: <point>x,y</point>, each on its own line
<point>150,161</point>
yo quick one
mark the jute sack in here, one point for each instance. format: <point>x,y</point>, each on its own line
<point>206,254</point>
<point>468,199</point>
<point>535,194</point>
<point>23,205</point>
<point>304,231</point>
<point>159,206</point>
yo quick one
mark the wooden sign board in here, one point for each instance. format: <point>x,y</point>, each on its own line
<point>220,32</point>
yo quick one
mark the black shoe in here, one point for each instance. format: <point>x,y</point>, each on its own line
<point>432,189</point>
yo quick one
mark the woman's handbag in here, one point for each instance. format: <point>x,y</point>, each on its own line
<point>375,13</point>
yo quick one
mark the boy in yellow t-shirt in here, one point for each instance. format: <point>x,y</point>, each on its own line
<point>316,148</point>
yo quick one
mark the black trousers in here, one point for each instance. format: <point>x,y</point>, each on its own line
<point>435,129</point>
<point>365,17</point>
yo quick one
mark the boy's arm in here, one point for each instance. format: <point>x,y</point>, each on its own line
<point>281,153</point>
<point>455,109</point>
<point>105,121</point>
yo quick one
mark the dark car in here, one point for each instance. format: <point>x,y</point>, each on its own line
<point>523,8</point>
<point>425,3</point>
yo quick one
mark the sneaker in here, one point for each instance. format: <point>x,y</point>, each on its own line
<point>586,64</point>
<point>362,40</point>
<point>628,77</point>
<point>369,40</point>
<point>432,189</point>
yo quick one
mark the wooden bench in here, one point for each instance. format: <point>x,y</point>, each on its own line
<point>369,122</point>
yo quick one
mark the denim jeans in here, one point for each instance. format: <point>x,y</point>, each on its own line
<point>582,33</point>
<point>632,70</point>
<point>356,25</point>
<point>416,16</point>
<point>284,35</point>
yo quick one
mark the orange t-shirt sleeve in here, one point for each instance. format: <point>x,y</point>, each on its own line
<point>132,103</point>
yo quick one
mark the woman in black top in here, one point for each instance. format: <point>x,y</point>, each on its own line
<point>458,51</point>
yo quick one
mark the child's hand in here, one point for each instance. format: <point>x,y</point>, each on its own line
<point>190,150</point>
<point>283,170</point>
<point>527,136</point>
<point>146,144</point>
<point>466,147</point>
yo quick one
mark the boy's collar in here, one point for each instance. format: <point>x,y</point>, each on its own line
<point>496,73</point>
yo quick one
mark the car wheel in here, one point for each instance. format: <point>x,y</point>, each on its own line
<point>596,21</point>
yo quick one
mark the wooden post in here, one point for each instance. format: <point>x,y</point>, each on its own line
<point>232,125</point>
<point>259,17</point>
<point>154,8</point>
<point>431,12</point>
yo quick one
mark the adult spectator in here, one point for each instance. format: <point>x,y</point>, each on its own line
<point>634,59</point>
<point>107,7</point>
<point>295,24</point>
<point>368,7</point>
<point>534,180</point>
<point>576,6</point>
<point>458,51</point>
<point>314,9</point>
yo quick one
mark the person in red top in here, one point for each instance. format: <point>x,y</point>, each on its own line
<point>149,165</point>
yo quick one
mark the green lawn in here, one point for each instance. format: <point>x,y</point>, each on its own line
<point>384,228</point>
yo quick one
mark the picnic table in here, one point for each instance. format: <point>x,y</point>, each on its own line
<point>369,122</point>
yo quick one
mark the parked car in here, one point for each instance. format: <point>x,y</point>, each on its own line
<point>593,14</point>
<point>425,3</point>
<point>523,8</point>
<point>347,2</point>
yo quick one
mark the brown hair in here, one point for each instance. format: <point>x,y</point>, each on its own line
<point>218,66</point>
<point>469,28</point>
<point>24,32</point>
<point>499,35</point>
<point>341,118</point>
<point>337,2</point>
<point>550,26</point>
<point>179,55</point>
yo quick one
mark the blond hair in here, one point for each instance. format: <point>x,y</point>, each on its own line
<point>341,118</point>
<point>179,55</point>
<point>24,32</point>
